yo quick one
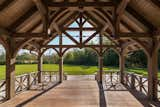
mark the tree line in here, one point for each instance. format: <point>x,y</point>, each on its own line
<point>85,56</point>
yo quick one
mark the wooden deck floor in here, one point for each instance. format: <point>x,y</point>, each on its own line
<point>74,94</point>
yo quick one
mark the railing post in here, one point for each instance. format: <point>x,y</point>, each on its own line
<point>132,81</point>
<point>122,66</point>
<point>140,83</point>
<point>21,82</point>
<point>100,72</point>
<point>28,81</point>
<point>50,76</point>
<point>61,69</point>
<point>40,64</point>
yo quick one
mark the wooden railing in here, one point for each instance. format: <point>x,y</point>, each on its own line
<point>22,82</point>
<point>2,90</point>
<point>110,76</point>
<point>159,89</point>
<point>50,76</point>
<point>136,82</point>
<point>28,81</point>
<point>131,80</point>
<point>25,81</point>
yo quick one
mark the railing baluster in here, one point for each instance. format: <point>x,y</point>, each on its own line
<point>28,81</point>
<point>140,84</point>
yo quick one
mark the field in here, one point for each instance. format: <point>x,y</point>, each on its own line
<point>68,69</point>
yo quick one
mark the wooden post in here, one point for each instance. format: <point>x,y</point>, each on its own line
<point>28,81</point>
<point>152,75</point>
<point>133,81</point>
<point>40,64</point>
<point>10,74</point>
<point>61,69</point>
<point>100,72</point>
<point>122,67</point>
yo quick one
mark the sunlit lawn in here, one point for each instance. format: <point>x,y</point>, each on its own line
<point>68,69</point>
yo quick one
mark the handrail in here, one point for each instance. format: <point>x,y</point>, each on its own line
<point>137,82</point>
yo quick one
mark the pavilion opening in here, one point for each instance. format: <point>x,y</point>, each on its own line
<point>61,34</point>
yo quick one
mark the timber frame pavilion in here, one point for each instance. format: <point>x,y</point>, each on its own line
<point>130,25</point>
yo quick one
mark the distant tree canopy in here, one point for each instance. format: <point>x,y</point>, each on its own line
<point>2,58</point>
<point>111,58</point>
<point>136,59</point>
<point>85,56</point>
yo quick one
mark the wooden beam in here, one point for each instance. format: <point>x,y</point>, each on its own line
<point>35,26</point>
<point>29,35</point>
<point>70,37</point>
<point>156,32</point>
<point>77,29</point>
<point>100,72</point>
<point>4,32</point>
<point>122,66</point>
<point>5,4</point>
<point>10,69</point>
<point>74,8</point>
<point>90,37</point>
<point>60,69</point>
<point>22,19</point>
<point>156,2</point>
<point>140,18</point>
<point>40,65</point>
<point>121,8</point>
<point>80,4</point>
<point>135,35</point>
<point>78,46</point>
<point>119,11</point>
<point>153,71</point>
<point>44,13</point>
<point>56,27</point>
<point>93,20</point>
<point>69,20</point>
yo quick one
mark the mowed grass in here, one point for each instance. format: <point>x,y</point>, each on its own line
<point>68,69</point>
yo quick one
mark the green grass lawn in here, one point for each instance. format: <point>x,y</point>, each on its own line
<point>68,69</point>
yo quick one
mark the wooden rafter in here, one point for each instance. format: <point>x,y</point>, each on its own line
<point>44,13</point>
<point>118,12</point>
<point>30,35</point>
<point>140,18</point>
<point>78,46</point>
<point>70,37</point>
<point>121,7</point>
<point>156,2</point>
<point>5,4</point>
<point>80,4</point>
<point>35,26</point>
<point>92,36</point>
<point>28,14</point>
<point>4,32</point>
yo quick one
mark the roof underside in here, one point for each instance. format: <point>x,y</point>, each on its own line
<point>24,17</point>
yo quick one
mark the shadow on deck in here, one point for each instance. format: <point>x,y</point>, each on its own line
<point>129,97</point>
<point>81,94</point>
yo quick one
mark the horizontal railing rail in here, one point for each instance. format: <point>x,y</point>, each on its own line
<point>50,76</point>
<point>131,80</point>
<point>137,82</point>
<point>21,82</point>
<point>110,76</point>
<point>28,81</point>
